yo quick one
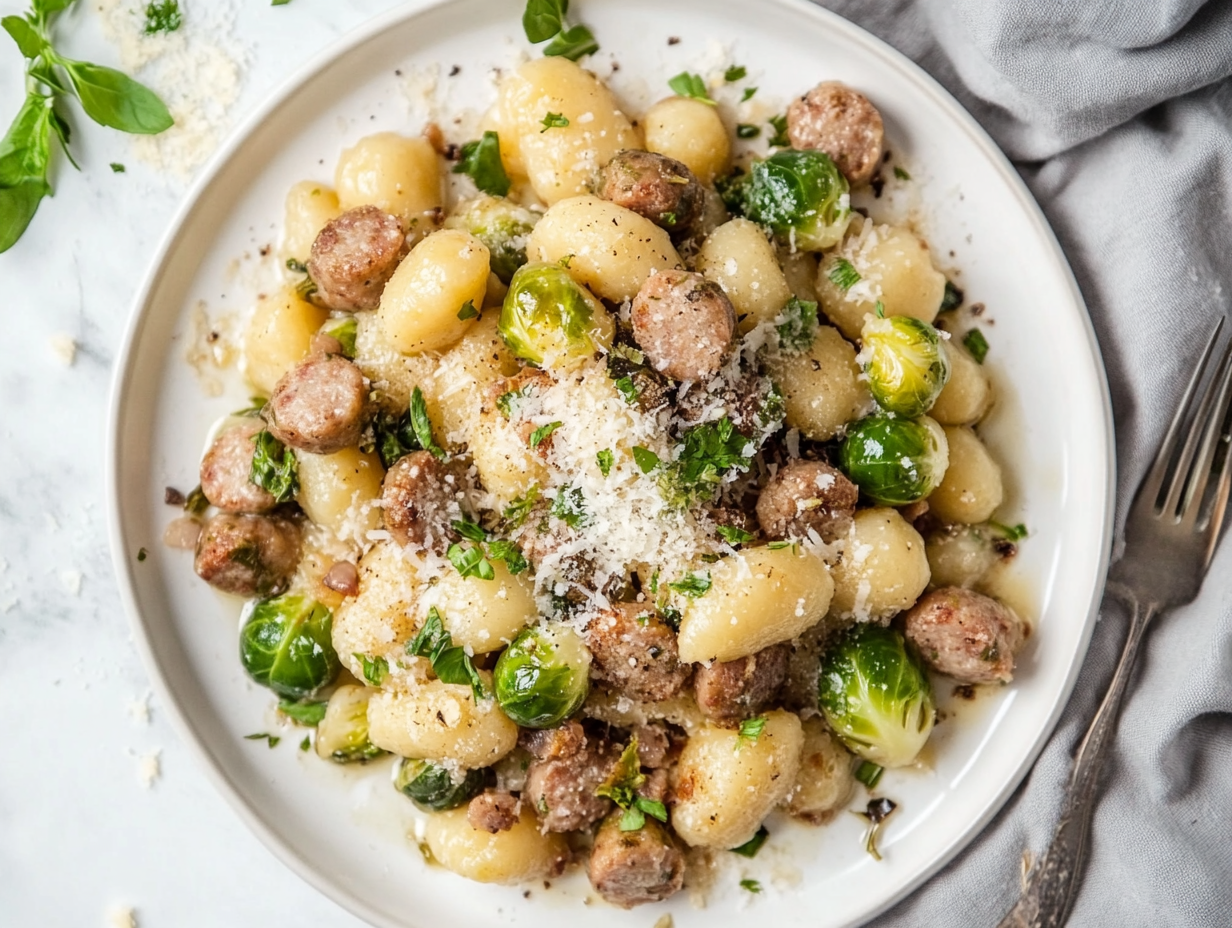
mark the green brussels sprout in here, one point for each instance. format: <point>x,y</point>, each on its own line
<point>905,362</point>
<point>875,694</point>
<point>543,677</point>
<point>502,225</point>
<point>285,645</point>
<point>549,318</point>
<point>342,735</point>
<point>895,461</point>
<point>433,788</point>
<point>801,196</point>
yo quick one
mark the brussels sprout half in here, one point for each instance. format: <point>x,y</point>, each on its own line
<point>905,363</point>
<point>543,677</point>
<point>342,735</point>
<point>549,318</point>
<point>285,645</point>
<point>801,196</point>
<point>432,787</point>
<point>895,461</point>
<point>502,225</point>
<point>875,694</point>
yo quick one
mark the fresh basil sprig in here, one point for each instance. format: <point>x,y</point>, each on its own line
<point>481,161</point>
<point>545,19</point>
<point>109,97</point>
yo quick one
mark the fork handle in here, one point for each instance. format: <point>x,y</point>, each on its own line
<point>1053,882</point>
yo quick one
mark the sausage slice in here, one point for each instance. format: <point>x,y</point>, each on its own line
<point>684,323</point>
<point>635,652</point>
<point>562,789</point>
<point>419,499</point>
<point>655,186</point>
<point>840,121</point>
<point>969,636</point>
<point>319,406</point>
<point>225,471</point>
<point>805,495</point>
<point>248,555</point>
<point>731,691</point>
<point>630,868</point>
<point>353,258</point>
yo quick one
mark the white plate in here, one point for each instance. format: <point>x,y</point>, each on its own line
<point>346,832</point>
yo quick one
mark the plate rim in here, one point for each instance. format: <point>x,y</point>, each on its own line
<point>123,375</point>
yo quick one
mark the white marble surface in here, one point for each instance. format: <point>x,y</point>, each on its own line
<point>81,834</point>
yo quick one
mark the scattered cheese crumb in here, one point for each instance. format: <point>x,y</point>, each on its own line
<point>149,767</point>
<point>121,916</point>
<point>64,348</point>
<point>72,581</point>
<point>139,709</point>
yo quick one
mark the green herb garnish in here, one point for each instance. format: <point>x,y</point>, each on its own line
<point>468,311</point>
<point>481,162</point>
<point>274,467</point>
<point>162,17</point>
<point>751,885</point>
<point>779,124</point>
<point>605,459</point>
<point>539,434</point>
<point>750,731</point>
<point>570,506</point>
<point>303,713</point>
<point>869,773</point>
<point>645,459</point>
<point>554,121</point>
<point>374,668</point>
<point>693,586</point>
<point>733,535</point>
<point>843,274</point>
<point>975,342</point>
<point>900,173</point>
<point>746,131</point>
<point>270,740</point>
<point>545,19</point>
<point>450,663</point>
<point>748,94</point>
<point>691,86</point>
<point>735,73</point>
<point>422,425</point>
<point>753,845</point>
<point>798,327</point>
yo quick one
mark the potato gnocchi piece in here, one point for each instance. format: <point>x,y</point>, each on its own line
<point>441,722</point>
<point>826,778</point>
<point>340,491</point>
<point>883,570</point>
<point>517,855</point>
<point>823,388</point>
<point>691,132</point>
<point>400,175</point>
<point>309,208</point>
<point>725,784</point>
<point>278,337</point>
<point>380,619</point>
<point>971,490</point>
<point>740,259</point>
<point>758,598</point>
<point>484,615</point>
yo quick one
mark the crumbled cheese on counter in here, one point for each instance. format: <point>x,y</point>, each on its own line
<point>72,581</point>
<point>121,916</point>
<point>149,767</point>
<point>139,709</point>
<point>64,348</point>
<point>195,69</point>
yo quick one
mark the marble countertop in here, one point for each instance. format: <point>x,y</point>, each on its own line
<point>85,835</point>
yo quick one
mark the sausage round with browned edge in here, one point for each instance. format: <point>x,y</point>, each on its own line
<point>967,635</point>
<point>419,499</point>
<point>655,186</point>
<point>635,652</point>
<point>805,495</point>
<point>684,323</point>
<point>226,470</point>
<point>629,868</point>
<point>353,258</point>
<point>248,555</point>
<point>840,121</point>
<point>730,691</point>
<point>319,406</point>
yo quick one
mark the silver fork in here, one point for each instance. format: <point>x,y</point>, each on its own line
<point>1170,536</point>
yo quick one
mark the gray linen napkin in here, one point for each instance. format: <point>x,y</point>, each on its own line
<point>1117,114</point>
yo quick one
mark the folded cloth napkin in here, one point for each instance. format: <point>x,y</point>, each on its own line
<point>1118,115</point>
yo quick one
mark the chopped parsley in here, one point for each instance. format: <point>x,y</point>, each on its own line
<point>952,298</point>
<point>470,562</point>
<point>691,86</point>
<point>798,326</point>
<point>374,668</point>
<point>753,845</point>
<point>843,274</point>
<point>605,458</point>
<point>900,173</point>
<point>746,131</point>
<point>709,451</point>
<point>869,773</point>
<point>163,17</point>
<point>733,535</point>
<point>519,509</point>
<point>468,311</point>
<point>748,94</point>
<point>451,663</point>
<point>735,73</point>
<point>539,434</point>
<point>303,713</point>
<point>975,342</point>
<point>627,389</point>
<point>393,438</point>
<point>270,740</point>
<point>1010,532</point>
<point>507,402</point>
<point>750,731</point>
<point>570,506</point>
<point>481,162</point>
<point>693,586</point>
<point>751,885</point>
<point>622,787</point>
<point>645,459</point>
<point>306,743</point>
<point>779,139</point>
<point>421,425</point>
<point>554,121</point>
<point>117,168</point>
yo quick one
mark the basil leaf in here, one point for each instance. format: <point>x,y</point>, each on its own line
<point>421,425</point>
<point>274,467</point>
<point>114,99</point>
<point>572,44</point>
<point>45,7</point>
<point>469,530</point>
<point>25,35</point>
<point>646,459</point>
<point>542,19</point>
<point>481,162</point>
<point>691,86</point>
<point>25,152</point>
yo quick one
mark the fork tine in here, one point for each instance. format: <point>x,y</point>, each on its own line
<point>1181,473</point>
<point>1219,504</point>
<point>1213,433</point>
<point>1153,483</point>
